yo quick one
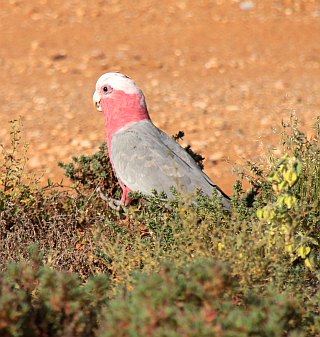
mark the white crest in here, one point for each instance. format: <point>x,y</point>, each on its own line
<point>118,81</point>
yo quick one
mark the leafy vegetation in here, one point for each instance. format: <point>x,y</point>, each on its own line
<point>71,266</point>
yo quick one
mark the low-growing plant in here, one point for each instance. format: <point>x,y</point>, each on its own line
<point>58,220</point>
<point>175,267</point>
<point>38,301</point>
<point>90,172</point>
<point>201,299</point>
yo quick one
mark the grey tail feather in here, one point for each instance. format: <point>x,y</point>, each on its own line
<point>220,190</point>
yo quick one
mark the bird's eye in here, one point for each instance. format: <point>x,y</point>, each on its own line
<point>105,89</point>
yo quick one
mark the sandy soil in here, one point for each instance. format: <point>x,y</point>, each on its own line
<point>225,72</point>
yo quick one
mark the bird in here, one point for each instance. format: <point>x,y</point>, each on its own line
<point>143,157</point>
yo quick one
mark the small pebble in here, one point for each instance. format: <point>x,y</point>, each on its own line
<point>247,5</point>
<point>59,56</point>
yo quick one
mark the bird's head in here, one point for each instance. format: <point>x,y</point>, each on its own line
<point>120,99</point>
<point>109,83</point>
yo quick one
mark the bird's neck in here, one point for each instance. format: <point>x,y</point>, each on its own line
<point>122,110</point>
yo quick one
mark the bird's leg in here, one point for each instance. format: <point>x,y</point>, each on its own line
<point>113,203</point>
<point>125,199</point>
<point>116,204</point>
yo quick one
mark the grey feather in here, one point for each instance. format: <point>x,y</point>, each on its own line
<point>146,159</point>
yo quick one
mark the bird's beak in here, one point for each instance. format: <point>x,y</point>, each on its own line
<point>96,101</point>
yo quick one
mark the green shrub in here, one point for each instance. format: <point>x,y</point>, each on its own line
<point>174,267</point>
<point>38,301</point>
<point>202,299</point>
<point>60,220</point>
<point>90,172</point>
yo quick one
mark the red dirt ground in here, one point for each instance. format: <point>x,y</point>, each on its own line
<point>224,74</point>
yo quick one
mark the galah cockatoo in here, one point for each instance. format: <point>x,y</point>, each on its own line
<point>143,157</point>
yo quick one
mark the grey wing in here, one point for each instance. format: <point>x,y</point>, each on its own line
<point>147,159</point>
<point>182,153</point>
<point>144,163</point>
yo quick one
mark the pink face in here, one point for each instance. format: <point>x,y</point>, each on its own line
<point>111,82</point>
<point>105,92</point>
<point>120,100</point>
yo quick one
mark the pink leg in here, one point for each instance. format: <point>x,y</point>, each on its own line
<point>125,199</point>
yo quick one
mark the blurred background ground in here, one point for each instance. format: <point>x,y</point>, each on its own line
<point>225,72</point>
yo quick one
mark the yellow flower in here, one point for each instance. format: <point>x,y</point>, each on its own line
<point>220,246</point>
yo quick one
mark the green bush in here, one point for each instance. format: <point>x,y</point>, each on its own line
<point>202,299</point>
<point>162,267</point>
<point>38,301</point>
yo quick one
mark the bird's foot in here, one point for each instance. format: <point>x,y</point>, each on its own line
<point>113,203</point>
